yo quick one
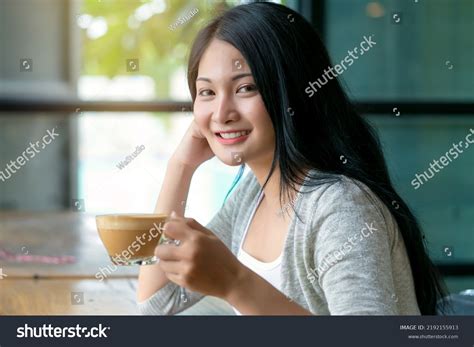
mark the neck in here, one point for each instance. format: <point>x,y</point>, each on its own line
<point>272,188</point>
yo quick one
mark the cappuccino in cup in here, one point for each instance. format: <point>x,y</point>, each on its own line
<point>130,239</point>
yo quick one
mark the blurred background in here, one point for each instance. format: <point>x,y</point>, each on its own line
<point>110,77</point>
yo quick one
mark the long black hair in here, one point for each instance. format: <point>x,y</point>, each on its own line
<point>322,132</point>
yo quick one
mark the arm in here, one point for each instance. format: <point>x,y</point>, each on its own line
<point>192,151</point>
<point>265,298</point>
<point>173,193</point>
<point>211,268</point>
<point>353,251</point>
<point>204,264</point>
<point>352,254</point>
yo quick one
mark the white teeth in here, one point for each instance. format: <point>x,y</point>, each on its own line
<point>234,135</point>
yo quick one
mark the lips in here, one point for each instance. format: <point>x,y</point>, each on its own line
<point>232,136</point>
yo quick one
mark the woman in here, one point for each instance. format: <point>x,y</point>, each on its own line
<point>316,227</point>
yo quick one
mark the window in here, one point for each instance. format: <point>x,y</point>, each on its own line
<point>422,62</point>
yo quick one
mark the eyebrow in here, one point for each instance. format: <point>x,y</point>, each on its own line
<point>236,77</point>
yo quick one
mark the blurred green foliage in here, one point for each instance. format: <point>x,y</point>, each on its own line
<point>161,42</point>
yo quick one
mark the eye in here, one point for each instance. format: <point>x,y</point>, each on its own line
<point>205,92</point>
<point>247,88</point>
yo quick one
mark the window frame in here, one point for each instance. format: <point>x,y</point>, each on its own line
<point>63,105</point>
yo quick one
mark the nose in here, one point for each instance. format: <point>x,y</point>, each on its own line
<point>225,111</point>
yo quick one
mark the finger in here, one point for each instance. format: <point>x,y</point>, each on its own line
<point>177,229</point>
<point>194,224</point>
<point>189,221</point>
<point>173,216</point>
<point>170,267</point>
<point>167,253</point>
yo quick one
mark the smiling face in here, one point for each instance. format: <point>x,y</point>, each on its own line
<point>229,109</point>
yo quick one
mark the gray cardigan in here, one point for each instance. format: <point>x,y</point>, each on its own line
<point>345,256</point>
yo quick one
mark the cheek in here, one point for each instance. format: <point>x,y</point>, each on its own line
<point>202,119</point>
<point>262,122</point>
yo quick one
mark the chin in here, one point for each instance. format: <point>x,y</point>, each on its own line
<point>228,161</point>
<point>231,158</point>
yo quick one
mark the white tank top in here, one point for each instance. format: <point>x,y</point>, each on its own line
<point>270,272</point>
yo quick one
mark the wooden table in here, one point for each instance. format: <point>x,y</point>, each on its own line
<point>68,289</point>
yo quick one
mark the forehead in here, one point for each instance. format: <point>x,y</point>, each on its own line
<point>221,59</point>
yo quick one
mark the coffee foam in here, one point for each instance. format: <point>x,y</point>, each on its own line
<point>129,221</point>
